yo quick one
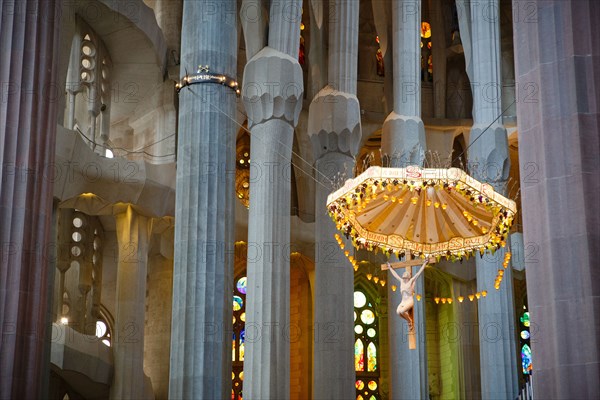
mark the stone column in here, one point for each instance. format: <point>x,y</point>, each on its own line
<point>272,96</point>
<point>403,138</point>
<point>403,141</point>
<point>29,39</point>
<point>202,272</point>
<point>439,43</point>
<point>558,74</point>
<point>335,131</point>
<point>488,161</point>
<point>133,231</point>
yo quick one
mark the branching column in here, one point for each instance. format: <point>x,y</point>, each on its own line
<point>403,141</point>
<point>488,161</point>
<point>272,95</point>
<point>29,38</point>
<point>203,271</point>
<point>133,231</point>
<point>335,130</point>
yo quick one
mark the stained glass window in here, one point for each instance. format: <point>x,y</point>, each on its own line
<point>526,364</point>
<point>366,363</point>
<point>239,336</point>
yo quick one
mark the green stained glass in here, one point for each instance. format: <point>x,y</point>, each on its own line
<point>359,299</point>
<point>371,357</point>
<point>526,359</point>
<point>359,355</point>
<point>367,317</point>
<point>525,319</point>
<point>238,303</point>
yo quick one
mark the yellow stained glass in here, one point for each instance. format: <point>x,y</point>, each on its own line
<point>372,357</point>
<point>359,355</point>
<point>372,385</point>
<point>233,348</point>
<point>359,384</point>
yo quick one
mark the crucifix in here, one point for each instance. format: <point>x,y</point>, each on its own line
<point>407,290</point>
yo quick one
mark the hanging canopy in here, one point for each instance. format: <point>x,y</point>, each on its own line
<point>421,211</point>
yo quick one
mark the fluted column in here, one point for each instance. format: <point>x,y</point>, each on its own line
<point>272,96</point>
<point>202,272</point>
<point>403,130</point>
<point>403,140</point>
<point>438,49</point>
<point>559,136</point>
<point>133,232</point>
<point>29,38</point>
<point>335,131</point>
<point>489,161</point>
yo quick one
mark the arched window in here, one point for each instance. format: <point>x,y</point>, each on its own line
<point>366,347</point>
<point>239,324</point>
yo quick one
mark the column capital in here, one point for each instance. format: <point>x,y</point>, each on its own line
<point>334,123</point>
<point>273,87</point>
<point>488,158</point>
<point>403,139</point>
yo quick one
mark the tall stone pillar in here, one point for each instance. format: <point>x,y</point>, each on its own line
<point>335,131</point>
<point>488,161</point>
<point>403,141</point>
<point>558,73</point>
<point>439,44</point>
<point>203,272</point>
<point>133,231</point>
<point>403,138</point>
<point>272,96</point>
<point>29,38</point>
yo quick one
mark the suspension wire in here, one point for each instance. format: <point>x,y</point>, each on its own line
<point>278,141</point>
<point>125,150</point>
<point>488,127</point>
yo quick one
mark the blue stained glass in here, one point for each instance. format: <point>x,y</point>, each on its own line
<point>238,303</point>
<point>241,285</point>
<point>526,359</point>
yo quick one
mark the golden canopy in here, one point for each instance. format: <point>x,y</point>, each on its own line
<point>425,211</point>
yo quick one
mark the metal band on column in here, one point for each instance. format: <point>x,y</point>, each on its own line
<point>203,75</point>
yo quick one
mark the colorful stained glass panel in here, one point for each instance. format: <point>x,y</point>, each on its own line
<point>238,303</point>
<point>241,285</point>
<point>371,357</point>
<point>526,359</point>
<point>359,355</point>
<point>359,384</point>
<point>372,385</point>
